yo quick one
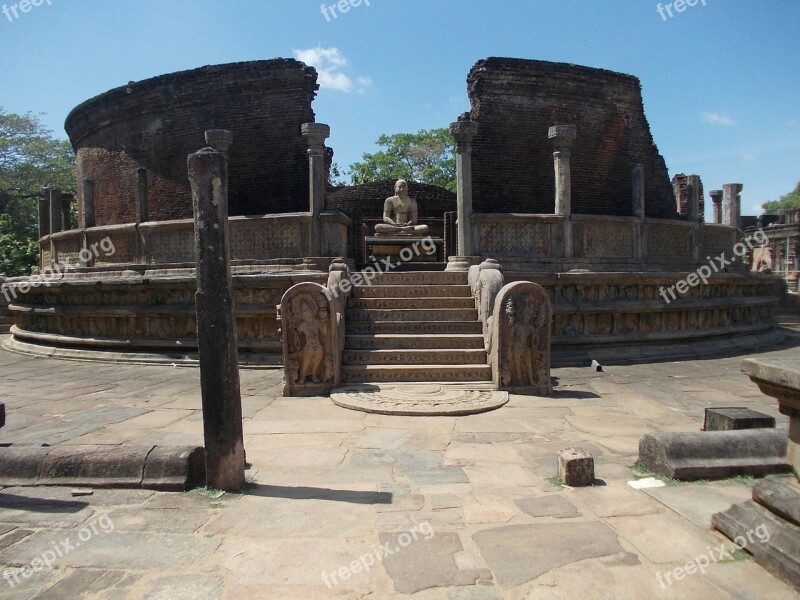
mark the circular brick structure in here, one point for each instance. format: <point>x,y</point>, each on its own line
<point>156,123</point>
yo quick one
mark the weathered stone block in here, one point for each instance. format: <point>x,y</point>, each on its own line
<point>714,454</point>
<point>781,495</point>
<point>575,467</point>
<point>174,469</point>
<point>725,419</point>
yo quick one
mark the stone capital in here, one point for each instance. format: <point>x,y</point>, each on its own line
<point>463,132</point>
<point>219,139</point>
<point>734,188</point>
<point>315,134</point>
<point>562,135</point>
<point>716,196</point>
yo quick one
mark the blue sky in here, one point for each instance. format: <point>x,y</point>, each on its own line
<point>721,79</point>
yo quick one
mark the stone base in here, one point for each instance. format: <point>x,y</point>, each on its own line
<point>426,399</point>
<point>773,541</point>
<point>726,419</point>
<point>461,263</point>
<point>404,249</point>
<point>714,454</point>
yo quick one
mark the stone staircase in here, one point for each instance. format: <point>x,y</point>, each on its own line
<point>414,326</point>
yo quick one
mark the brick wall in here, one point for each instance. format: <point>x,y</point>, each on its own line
<point>682,198</point>
<point>515,101</point>
<point>156,123</point>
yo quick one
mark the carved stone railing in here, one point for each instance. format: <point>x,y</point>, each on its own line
<point>312,328</point>
<point>172,242</point>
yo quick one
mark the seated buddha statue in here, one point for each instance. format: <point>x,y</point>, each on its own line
<point>400,215</point>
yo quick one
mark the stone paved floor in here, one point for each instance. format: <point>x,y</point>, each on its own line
<point>463,504</point>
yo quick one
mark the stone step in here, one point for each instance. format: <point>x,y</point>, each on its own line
<point>387,341</point>
<point>417,278</point>
<point>411,327</point>
<point>412,291</point>
<point>410,303</point>
<point>416,357</point>
<point>411,314</point>
<point>411,373</point>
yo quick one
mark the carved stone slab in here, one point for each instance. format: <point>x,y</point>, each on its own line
<point>422,399</point>
<point>520,346</point>
<point>310,338</point>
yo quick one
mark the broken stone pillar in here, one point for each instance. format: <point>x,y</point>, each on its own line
<point>520,345</point>
<point>216,325</point>
<point>56,213</point>
<point>141,195</point>
<point>463,132</point>
<point>638,207</point>
<point>87,200</point>
<point>575,467</point>
<point>44,213</point>
<point>316,134</point>
<point>562,136</point>
<point>716,199</point>
<point>693,198</point>
<point>731,204</point>
<point>66,211</point>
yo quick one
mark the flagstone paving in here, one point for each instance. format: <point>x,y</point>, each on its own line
<point>344,504</point>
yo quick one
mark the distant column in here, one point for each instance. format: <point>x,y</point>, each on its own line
<point>141,195</point>
<point>66,211</point>
<point>562,136</point>
<point>87,200</point>
<point>716,199</point>
<point>463,132</point>
<point>731,203</point>
<point>56,215</point>
<point>637,200</point>
<point>693,198</point>
<point>216,325</point>
<point>44,213</point>
<point>316,134</point>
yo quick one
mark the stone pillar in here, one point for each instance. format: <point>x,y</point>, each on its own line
<point>716,199</point>
<point>731,210</point>
<point>562,136</point>
<point>56,214</point>
<point>693,198</point>
<point>66,211</point>
<point>141,195</point>
<point>316,134</point>
<point>87,200</point>
<point>638,207</point>
<point>44,213</point>
<point>216,325</point>
<point>463,132</point>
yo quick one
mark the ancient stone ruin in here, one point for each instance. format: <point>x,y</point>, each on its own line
<point>565,237</point>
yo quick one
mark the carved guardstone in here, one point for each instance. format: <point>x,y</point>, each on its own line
<point>310,341</point>
<point>521,339</point>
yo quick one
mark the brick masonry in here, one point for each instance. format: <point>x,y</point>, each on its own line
<point>682,198</point>
<point>515,101</point>
<point>158,122</point>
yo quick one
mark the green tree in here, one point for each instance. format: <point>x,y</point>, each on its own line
<point>427,157</point>
<point>790,200</point>
<point>30,159</point>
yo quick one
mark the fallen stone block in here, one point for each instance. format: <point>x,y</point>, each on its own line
<point>773,542</point>
<point>781,495</point>
<point>728,418</point>
<point>714,454</point>
<point>575,467</point>
<point>166,468</point>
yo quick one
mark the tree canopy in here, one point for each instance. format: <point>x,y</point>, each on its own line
<point>427,156</point>
<point>789,201</point>
<point>30,159</point>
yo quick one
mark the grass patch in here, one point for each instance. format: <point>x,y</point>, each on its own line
<point>747,480</point>
<point>738,555</point>
<point>555,481</point>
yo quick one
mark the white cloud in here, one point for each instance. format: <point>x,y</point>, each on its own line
<point>718,118</point>
<point>329,63</point>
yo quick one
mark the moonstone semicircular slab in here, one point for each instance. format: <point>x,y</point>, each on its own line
<point>424,399</point>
